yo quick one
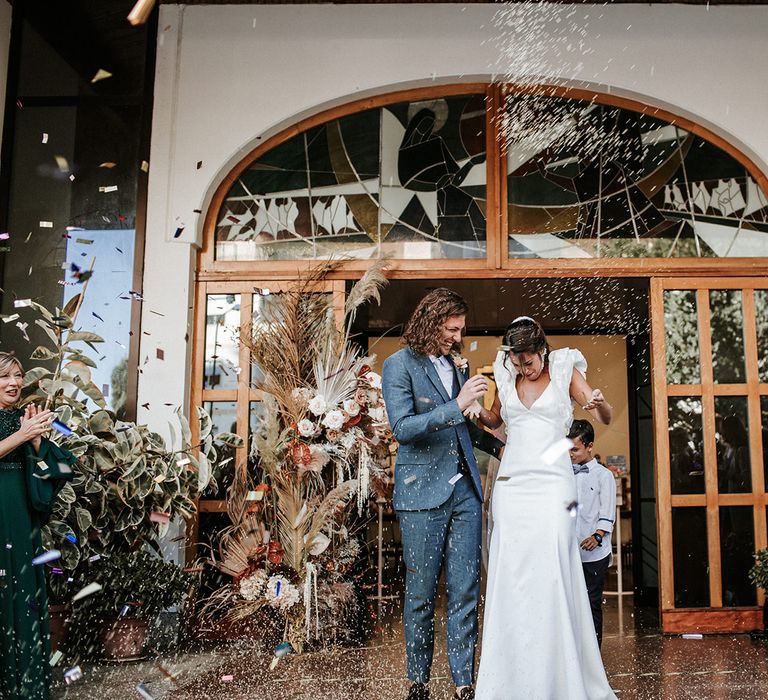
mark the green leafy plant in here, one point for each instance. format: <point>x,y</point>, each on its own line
<point>129,484</point>
<point>758,574</point>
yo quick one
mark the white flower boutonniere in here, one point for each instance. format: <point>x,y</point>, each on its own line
<point>462,363</point>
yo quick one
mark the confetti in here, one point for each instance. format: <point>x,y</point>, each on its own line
<point>45,137</point>
<point>73,674</point>
<point>473,346</point>
<point>62,428</point>
<point>182,462</point>
<point>140,12</point>
<point>108,164</point>
<point>94,558</point>
<point>178,232</point>
<point>45,557</point>
<point>142,690</point>
<point>70,537</point>
<point>572,508</point>
<point>62,163</point>
<point>227,679</point>
<point>255,496</point>
<point>455,478</point>
<point>108,188</point>
<point>101,74</point>
<point>21,303</point>
<point>93,313</point>
<point>57,656</point>
<point>46,224</point>
<point>144,166</point>
<point>84,241</point>
<point>160,354</point>
<point>90,589</point>
<point>4,236</point>
<point>157,517</point>
<point>283,649</point>
<point>410,479</point>
<point>12,317</point>
<point>693,636</point>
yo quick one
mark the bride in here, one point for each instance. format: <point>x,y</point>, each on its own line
<point>539,641</point>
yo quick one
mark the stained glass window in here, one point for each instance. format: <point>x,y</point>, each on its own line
<point>588,180</point>
<point>408,180</point>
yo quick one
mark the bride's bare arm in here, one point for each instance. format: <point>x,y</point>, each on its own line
<point>591,400</point>
<point>491,419</point>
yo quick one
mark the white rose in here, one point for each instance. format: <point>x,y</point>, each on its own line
<point>333,420</point>
<point>317,405</point>
<point>306,427</point>
<point>374,379</point>
<point>351,407</point>
<point>372,397</point>
<point>378,414</point>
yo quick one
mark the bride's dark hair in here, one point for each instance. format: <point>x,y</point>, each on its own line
<point>525,334</point>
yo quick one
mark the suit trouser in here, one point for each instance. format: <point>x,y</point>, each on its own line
<point>594,575</point>
<point>448,535</point>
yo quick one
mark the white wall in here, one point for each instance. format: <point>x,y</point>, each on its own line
<point>229,75</point>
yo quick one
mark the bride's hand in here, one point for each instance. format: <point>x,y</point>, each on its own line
<point>597,400</point>
<point>473,410</point>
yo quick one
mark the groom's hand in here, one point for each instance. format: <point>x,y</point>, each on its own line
<point>472,390</point>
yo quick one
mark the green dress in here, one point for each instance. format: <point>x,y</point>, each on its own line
<point>25,649</point>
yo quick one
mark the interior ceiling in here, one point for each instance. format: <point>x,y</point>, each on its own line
<point>563,305</point>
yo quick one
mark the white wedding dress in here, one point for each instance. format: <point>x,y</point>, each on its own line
<point>539,640</point>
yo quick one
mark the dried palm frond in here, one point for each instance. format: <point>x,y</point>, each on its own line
<point>334,377</point>
<point>325,512</point>
<point>239,546</point>
<point>367,288</point>
<point>291,529</point>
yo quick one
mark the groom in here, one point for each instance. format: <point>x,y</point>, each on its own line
<point>438,494</point>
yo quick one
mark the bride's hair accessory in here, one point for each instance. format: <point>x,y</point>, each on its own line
<point>522,318</point>
<point>505,348</point>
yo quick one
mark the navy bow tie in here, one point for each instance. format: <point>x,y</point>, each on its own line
<point>579,468</point>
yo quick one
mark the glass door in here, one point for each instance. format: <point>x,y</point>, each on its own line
<point>710,379</point>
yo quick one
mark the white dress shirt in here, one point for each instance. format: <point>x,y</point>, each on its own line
<point>444,371</point>
<point>596,495</point>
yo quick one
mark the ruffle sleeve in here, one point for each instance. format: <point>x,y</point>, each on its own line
<point>504,376</point>
<point>561,365</point>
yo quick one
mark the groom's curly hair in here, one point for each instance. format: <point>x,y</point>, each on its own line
<point>422,332</point>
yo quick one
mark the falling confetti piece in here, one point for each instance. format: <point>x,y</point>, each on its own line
<point>160,517</point>
<point>142,690</point>
<point>46,224</point>
<point>97,316</point>
<point>144,166</point>
<point>182,462</point>
<point>178,232</point>
<point>21,303</point>
<point>12,317</point>
<point>140,12</point>
<point>45,137</point>
<point>108,188</point>
<point>101,74</point>
<point>62,428</point>
<point>57,656</point>
<point>84,241</point>
<point>274,663</point>
<point>227,679</point>
<point>572,508</point>
<point>283,648</point>
<point>62,164</point>
<point>45,557</point>
<point>71,538</point>
<point>108,164</point>
<point>160,354</point>
<point>4,236</point>
<point>73,674</point>
<point>410,479</point>
<point>693,636</point>
<point>94,558</point>
<point>455,478</point>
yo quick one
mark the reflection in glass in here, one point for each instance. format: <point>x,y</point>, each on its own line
<point>224,419</point>
<point>407,179</point>
<point>727,324</point>
<point>761,317</point>
<point>686,453</point>
<point>222,350</point>
<point>737,545</point>
<point>691,559</point>
<point>734,473</point>
<point>682,337</point>
<point>263,312</point>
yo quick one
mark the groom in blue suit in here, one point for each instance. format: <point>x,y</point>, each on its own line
<point>438,494</point>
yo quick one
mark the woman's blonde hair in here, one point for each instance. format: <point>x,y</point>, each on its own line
<point>8,360</point>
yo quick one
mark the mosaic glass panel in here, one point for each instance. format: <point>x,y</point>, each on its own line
<point>223,418</point>
<point>408,180</point>
<point>587,180</point>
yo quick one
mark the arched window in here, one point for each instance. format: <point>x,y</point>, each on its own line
<point>413,180</point>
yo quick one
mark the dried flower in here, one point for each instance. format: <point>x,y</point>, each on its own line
<point>377,414</point>
<point>252,587</point>
<point>281,593</point>
<point>333,420</point>
<point>306,427</point>
<point>332,435</point>
<point>374,380</point>
<point>361,397</point>
<point>351,407</point>
<point>317,405</point>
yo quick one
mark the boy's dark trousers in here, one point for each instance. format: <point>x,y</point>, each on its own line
<point>594,574</point>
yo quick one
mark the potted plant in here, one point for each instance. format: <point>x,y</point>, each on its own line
<point>758,575</point>
<point>135,588</point>
<point>129,484</point>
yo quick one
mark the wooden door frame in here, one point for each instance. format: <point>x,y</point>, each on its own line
<point>715,618</point>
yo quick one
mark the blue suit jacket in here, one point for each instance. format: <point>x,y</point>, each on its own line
<point>429,427</point>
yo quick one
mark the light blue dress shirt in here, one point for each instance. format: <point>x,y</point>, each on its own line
<point>444,371</point>
<point>596,494</point>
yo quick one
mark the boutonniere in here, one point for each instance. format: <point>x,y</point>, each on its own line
<point>461,363</point>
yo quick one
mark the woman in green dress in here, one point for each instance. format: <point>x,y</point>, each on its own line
<point>25,671</point>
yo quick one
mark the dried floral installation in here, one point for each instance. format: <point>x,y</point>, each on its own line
<point>321,448</point>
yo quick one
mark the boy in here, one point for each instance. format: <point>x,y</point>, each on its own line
<point>596,495</point>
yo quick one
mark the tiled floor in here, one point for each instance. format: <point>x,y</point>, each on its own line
<point>640,663</point>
